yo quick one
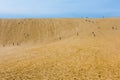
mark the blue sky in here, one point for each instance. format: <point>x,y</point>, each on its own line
<point>59,8</point>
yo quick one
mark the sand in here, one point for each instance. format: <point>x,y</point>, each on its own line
<point>60,49</point>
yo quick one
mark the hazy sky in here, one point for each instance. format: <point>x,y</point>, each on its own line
<point>59,8</point>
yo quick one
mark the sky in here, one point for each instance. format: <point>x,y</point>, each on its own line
<point>59,8</point>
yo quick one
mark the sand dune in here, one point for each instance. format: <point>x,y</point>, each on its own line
<point>20,31</point>
<point>60,49</point>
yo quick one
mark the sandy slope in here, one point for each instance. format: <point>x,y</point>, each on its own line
<point>79,55</point>
<point>21,31</point>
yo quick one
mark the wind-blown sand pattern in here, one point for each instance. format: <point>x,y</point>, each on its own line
<point>60,49</point>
